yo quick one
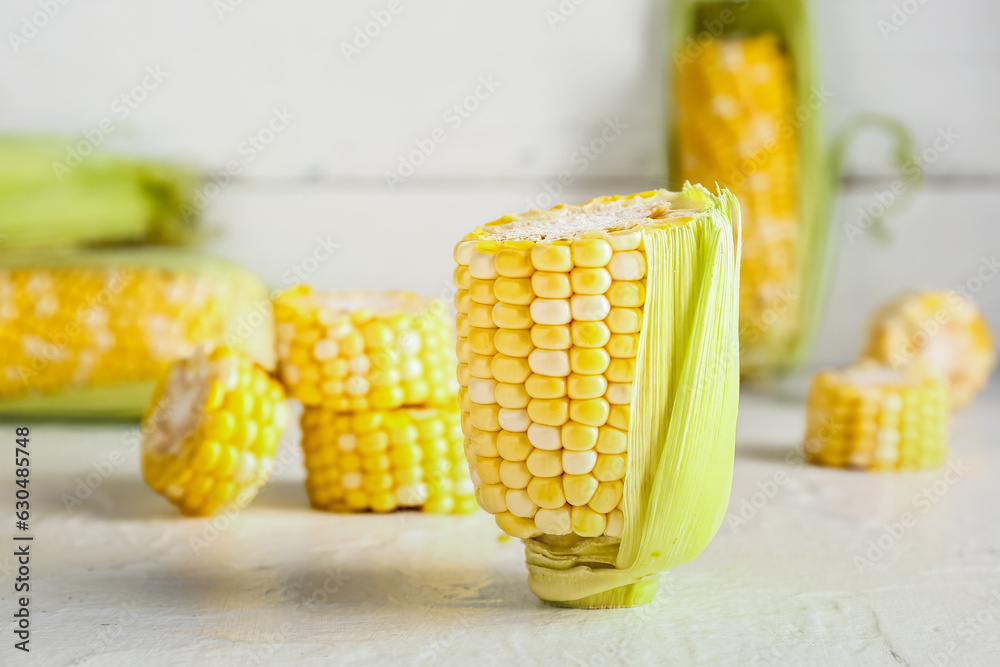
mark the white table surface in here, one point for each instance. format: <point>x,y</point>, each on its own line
<point>123,580</point>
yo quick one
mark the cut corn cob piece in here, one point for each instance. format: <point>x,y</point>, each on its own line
<point>871,417</point>
<point>211,432</point>
<point>89,333</point>
<point>747,114</point>
<point>360,351</point>
<point>734,101</point>
<point>410,458</point>
<point>942,330</point>
<point>585,434</point>
<point>50,197</point>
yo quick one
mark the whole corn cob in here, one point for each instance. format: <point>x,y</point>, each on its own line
<point>363,351</point>
<point>48,200</point>
<point>89,333</point>
<point>598,363</point>
<point>747,116</point>
<point>212,430</point>
<point>943,330</point>
<point>409,458</point>
<point>871,417</point>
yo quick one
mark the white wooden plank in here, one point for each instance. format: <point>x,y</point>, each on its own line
<point>557,86</point>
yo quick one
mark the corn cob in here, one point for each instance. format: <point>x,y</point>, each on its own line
<point>746,116</point>
<point>943,330</point>
<point>211,432</point>
<point>89,333</point>
<point>357,351</point>
<point>409,458</point>
<point>48,201</point>
<point>582,333</point>
<point>871,417</point>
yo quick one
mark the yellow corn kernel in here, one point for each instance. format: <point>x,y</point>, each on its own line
<point>551,337</point>
<point>552,257</point>
<point>547,492</point>
<point>588,361</point>
<point>507,316</point>
<point>551,285</point>
<point>627,294</point>
<point>578,437</point>
<point>542,386</point>
<point>582,387</point>
<point>515,291</point>
<point>579,489</point>
<point>511,263</point>
<point>591,252</point>
<point>588,523</point>
<point>512,396</point>
<point>513,342</point>
<point>590,334</point>
<point>517,526</point>
<point>549,412</point>
<point>544,463</point>
<point>513,446</point>
<point>590,281</point>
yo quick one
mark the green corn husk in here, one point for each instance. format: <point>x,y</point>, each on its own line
<point>682,431</point>
<point>104,199</point>
<point>236,300</point>
<point>769,350</point>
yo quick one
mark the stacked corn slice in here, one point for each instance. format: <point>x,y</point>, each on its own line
<point>942,330</point>
<point>381,427</point>
<point>598,361</point>
<point>212,430</point>
<point>90,333</point>
<point>736,126</point>
<point>870,417</point>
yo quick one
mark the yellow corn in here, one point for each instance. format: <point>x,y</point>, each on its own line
<point>735,126</point>
<point>89,333</point>
<point>871,417</point>
<point>942,330</point>
<point>383,461</point>
<point>356,351</point>
<point>211,432</point>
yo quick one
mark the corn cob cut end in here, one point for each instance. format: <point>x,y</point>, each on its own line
<point>211,432</point>
<point>385,461</point>
<point>942,330</point>
<point>870,417</point>
<point>365,351</point>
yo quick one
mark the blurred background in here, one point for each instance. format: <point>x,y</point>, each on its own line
<point>388,128</point>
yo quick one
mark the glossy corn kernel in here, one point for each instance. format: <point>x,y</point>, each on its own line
<point>211,432</point>
<point>357,351</point>
<point>734,98</point>
<point>942,330</point>
<point>90,333</point>
<point>410,458</point>
<point>870,417</point>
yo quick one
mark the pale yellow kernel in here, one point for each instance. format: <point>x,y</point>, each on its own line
<point>552,363</point>
<point>590,281</point>
<point>628,265</point>
<point>488,469</point>
<point>623,346</point>
<point>519,503</point>
<point>325,350</point>
<point>579,489</point>
<point>462,277</point>
<point>516,526</point>
<point>590,334</point>
<point>578,437</point>
<point>481,340</point>
<point>591,252</point>
<point>592,412</point>
<point>588,361</point>
<point>625,320</point>
<point>551,285</point>
<point>513,446</point>
<point>607,496</point>
<point>582,387</point>
<point>620,370</point>
<point>486,417</point>
<point>462,349</point>
<point>481,291</point>
<point>481,315</point>
<point>616,523</point>
<point>543,386</point>
<point>515,291</point>
<point>619,416</point>
<point>552,257</point>
<point>482,443</point>
<point>481,365</point>
<point>507,316</point>
<point>626,239</point>
<point>589,308</point>
<point>619,393</point>
<point>544,463</point>
<point>588,523</point>
<point>611,440</point>
<point>515,421</point>
<point>515,474</point>
<point>514,263</point>
<point>546,492</point>
<point>627,294</point>
<point>549,412</point>
<point>463,252</point>
<point>550,311</point>
<point>554,522</point>
<point>511,396</point>
<point>578,463</point>
<point>510,369</point>
<point>609,467</point>
<point>462,325</point>
<point>482,265</point>
<point>551,337</point>
<point>481,390</point>
<point>544,437</point>
<point>513,342</point>
<point>463,374</point>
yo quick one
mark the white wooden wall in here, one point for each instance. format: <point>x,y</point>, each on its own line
<point>226,67</point>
